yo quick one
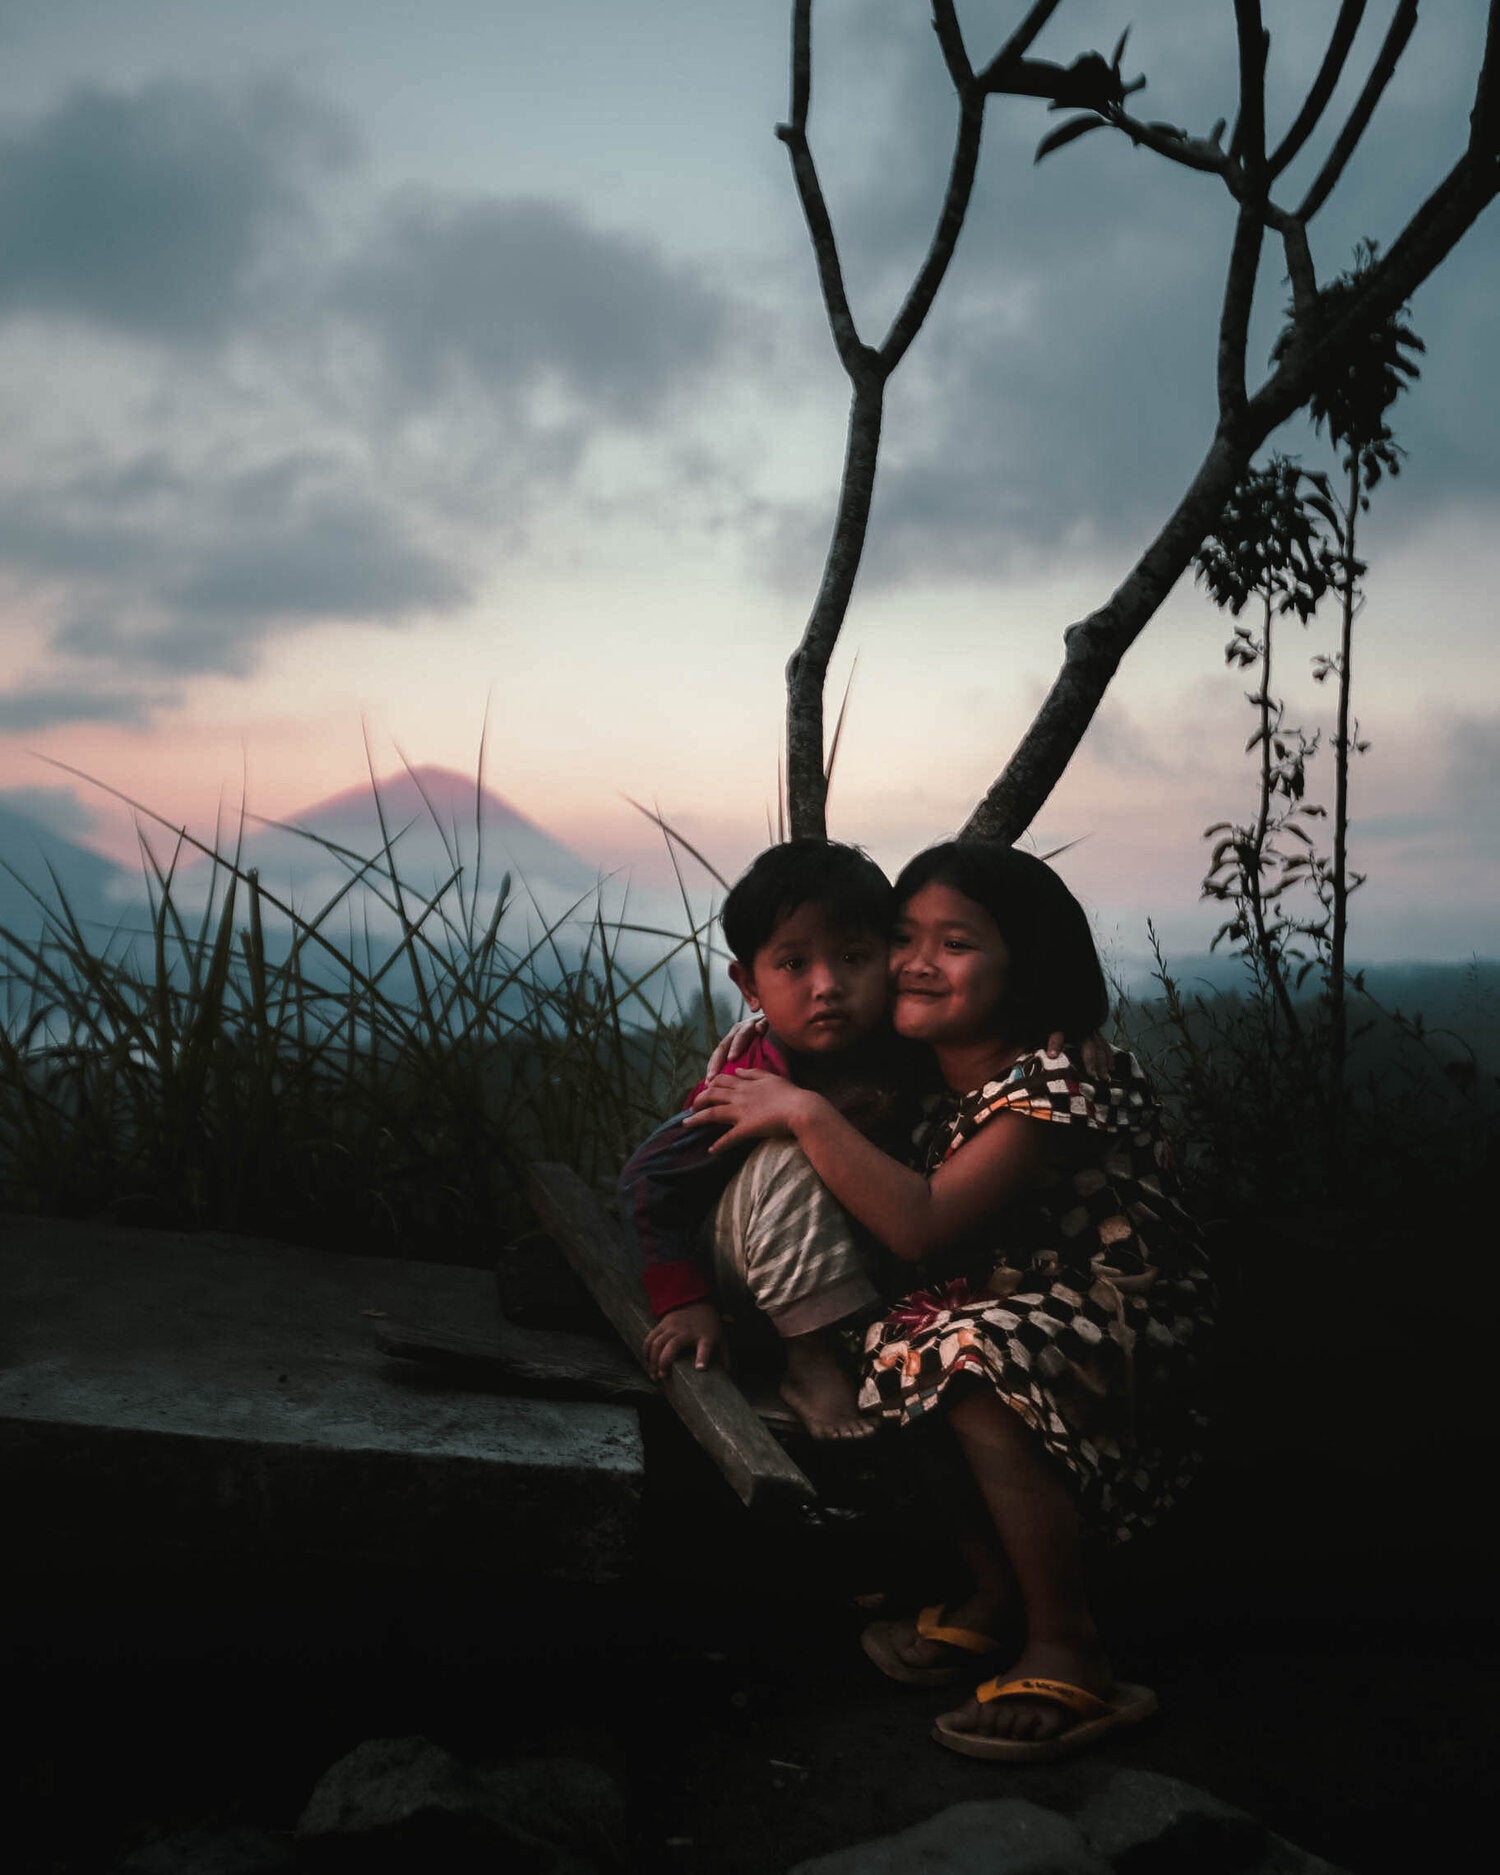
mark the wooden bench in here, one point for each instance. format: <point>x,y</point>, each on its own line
<point>732,1429</point>
<point>708,1403</point>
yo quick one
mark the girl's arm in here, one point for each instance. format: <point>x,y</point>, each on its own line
<point>911,1215</point>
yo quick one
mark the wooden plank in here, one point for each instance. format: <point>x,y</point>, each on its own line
<point>503,1353</point>
<point>709,1403</point>
<point>547,1357</point>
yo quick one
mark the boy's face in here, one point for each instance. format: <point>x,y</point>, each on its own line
<point>820,986</point>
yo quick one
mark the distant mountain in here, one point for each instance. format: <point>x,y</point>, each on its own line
<point>1408,984</point>
<point>1456,1003</point>
<point>33,856</point>
<point>439,826</point>
<point>435,820</point>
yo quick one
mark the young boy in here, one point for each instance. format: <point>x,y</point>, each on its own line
<point>808,927</point>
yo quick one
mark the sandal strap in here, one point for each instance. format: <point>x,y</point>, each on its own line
<point>1075,1699</point>
<point>932,1627</point>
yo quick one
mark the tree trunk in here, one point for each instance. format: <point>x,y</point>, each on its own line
<point>807,668</point>
<point>1095,646</point>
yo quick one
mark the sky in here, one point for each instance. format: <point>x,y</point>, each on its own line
<point>412,378</point>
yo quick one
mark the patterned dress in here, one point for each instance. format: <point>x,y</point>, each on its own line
<point>1085,1303</point>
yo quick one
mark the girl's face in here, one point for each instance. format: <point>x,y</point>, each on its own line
<point>949,968</point>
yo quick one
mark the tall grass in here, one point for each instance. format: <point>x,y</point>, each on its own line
<point>1417,1121</point>
<point>376,1073</point>
<point>257,1068</point>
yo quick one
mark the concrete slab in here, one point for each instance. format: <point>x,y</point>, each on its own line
<point>226,1393</point>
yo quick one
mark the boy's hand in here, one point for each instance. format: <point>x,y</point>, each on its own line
<point>734,1044</point>
<point>697,1325</point>
<point>1098,1056</point>
<point>750,1105</point>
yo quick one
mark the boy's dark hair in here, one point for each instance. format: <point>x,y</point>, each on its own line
<point>1055,978</point>
<point>845,882</point>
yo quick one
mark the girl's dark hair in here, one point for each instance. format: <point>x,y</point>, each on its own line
<point>844,881</point>
<point>1055,978</point>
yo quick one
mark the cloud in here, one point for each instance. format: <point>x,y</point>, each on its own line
<point>151,566</point>
<point>344,556</point>
<point>52,531</point>
<point>492,340</point>
<point>347,415</point>
<point>146,212</point>
<point>1124,747</point>
<point>524,300</point>
<point>39,706</point>
<point>59,810</point>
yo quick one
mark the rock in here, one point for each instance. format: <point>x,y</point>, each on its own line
<point>403,1803</point>
<point>1008,1836</point>
<point>225,1397</point>
<point>233,1851</point>
<point>1142,1823</point>
<point>1130,1823</point>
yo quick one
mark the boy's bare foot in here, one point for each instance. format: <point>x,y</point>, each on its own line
<point>819,1389</point>
<point>1083,1664</point>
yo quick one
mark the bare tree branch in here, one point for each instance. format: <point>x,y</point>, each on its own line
<point>1203,153</point>
<point>1400,31</point>
<point>1234,318</point>
<point>1423,244</point>
<point>801,62</point>
<point>1088,82</point>
<point>1484,119</point>
<point>1094,648</point>
<point>1024,37</point>
<point>1206,155</point>
<point>1096,644</point>
<point>951,39</point>
<point>1249,146</point>
<point>851,349</point>
<point>868,372</point>
<point>1248,142</point>
<point>1299,262</point>
<point>908,320</point>
<point>808,666</point>
<point>1351,12</point>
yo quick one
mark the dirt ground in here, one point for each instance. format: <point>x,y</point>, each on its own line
<point>1318,1621</point>
<point>1340,1690</point>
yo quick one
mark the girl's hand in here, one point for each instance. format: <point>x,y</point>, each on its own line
<point>734,1044</point>
<point>750,1105</point>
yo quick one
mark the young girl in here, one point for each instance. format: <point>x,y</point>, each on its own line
<point>1063,1304</point>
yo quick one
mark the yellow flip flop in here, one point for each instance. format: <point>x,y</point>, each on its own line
<point>1096,1717</point>
<point>879,1642</point>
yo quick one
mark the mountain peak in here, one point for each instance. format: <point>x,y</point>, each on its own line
<point>432,810</point>
<point>414,794</point>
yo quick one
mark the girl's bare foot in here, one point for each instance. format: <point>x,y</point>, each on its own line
<point>820,1390</point>
<point>1083,1664</point>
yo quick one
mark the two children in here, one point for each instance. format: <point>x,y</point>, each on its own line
<point>1061,1303</point>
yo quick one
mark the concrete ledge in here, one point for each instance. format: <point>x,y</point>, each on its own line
<point>226,1393</point>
